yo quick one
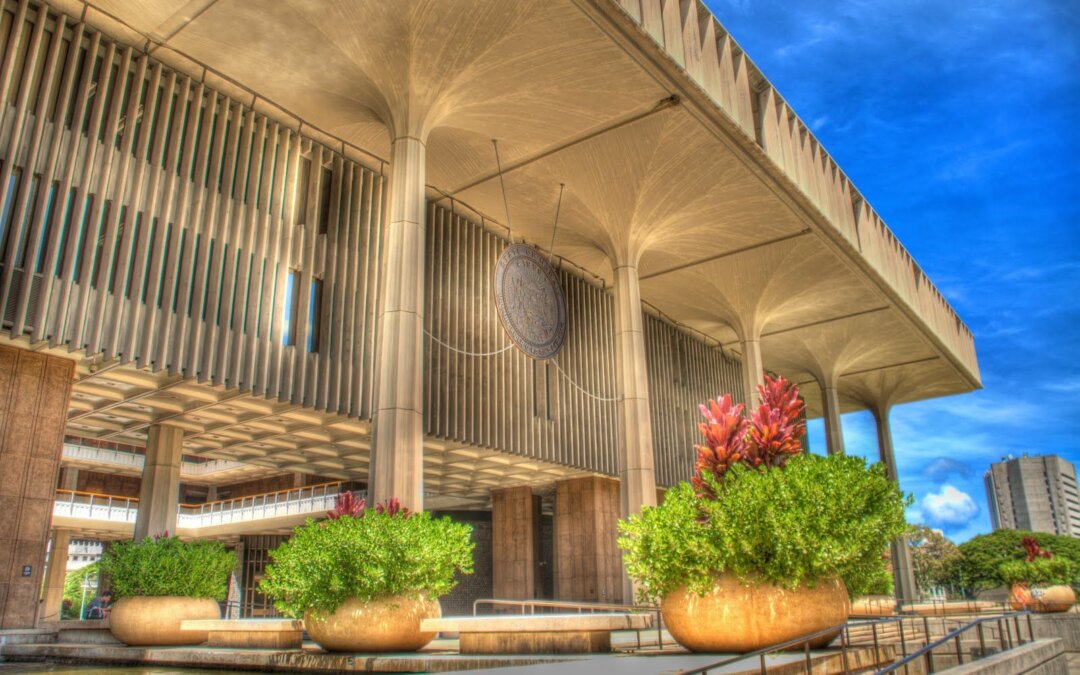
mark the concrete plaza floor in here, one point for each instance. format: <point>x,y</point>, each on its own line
<point>440,656</point>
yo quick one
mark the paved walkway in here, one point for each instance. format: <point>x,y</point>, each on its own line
<point>638,665</point>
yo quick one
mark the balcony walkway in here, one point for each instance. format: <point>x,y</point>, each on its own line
<point>132,463</point>
<point>112,517</point>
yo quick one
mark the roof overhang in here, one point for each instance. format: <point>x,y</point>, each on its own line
<point>733,228</point>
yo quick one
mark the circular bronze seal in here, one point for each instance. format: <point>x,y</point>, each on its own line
<point>530,300</point>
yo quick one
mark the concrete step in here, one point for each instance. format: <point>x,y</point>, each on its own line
<point>26,636</point>
<point>85,632</point>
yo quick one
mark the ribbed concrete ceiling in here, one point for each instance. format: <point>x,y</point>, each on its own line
<point>119,403</point>
<point>718,246</point>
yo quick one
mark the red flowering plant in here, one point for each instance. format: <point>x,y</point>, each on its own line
<point>348,505</point>
<point>1033,550</point>
<point>761,509</point>
<point>770,437</point>
<point>1040,567</point>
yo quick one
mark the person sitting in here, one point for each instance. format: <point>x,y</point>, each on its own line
<point>99,607</point>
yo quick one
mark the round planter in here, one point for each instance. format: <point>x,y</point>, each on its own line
<point>385,625</point>
<point>736,617</point>
<point>1046,599</point>
<point>156,621</point>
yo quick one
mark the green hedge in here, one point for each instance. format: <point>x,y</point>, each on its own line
<point>168,566</point>
<point>816,518</point>
<point>1051,571</point>
<point>368,557</point>
<point>981,557</point>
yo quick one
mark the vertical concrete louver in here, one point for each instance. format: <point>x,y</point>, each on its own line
<point>148,218</point>
<point>152,220</point>
<point>514,404</point>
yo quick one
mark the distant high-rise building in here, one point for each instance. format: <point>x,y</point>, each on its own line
<point>1034,493</point>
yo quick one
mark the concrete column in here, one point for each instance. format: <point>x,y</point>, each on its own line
<point>515,543</point>
<point>903,570</point>
<point>104,582</point>
<point>588,563</point>
<point>834,434</point>
<point>753,372</point>
<point>69,478</point>
<point>158,495</point>
<point>299,480</point>
<point>637,477</point>
<point>55,576</point>
<point>397,454</point>
<point>34,395</point>
<point>211,493</point>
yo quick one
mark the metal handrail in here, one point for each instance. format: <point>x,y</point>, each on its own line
<point>308,499</point>
<point>221,503</point>
<point>136,461</point>
<point>1005,637</point>
<point>581,607</point>
<point>67,500</point>
<point>804,641</point>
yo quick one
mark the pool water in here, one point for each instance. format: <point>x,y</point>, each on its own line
<point>60,669</point>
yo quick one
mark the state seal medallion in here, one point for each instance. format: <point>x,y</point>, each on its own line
<point>530,301</point>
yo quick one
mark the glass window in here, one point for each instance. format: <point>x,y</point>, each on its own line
<point>324,199</point>
<point>302,190</point>
<point>314,313</point>
<point>290,308</point>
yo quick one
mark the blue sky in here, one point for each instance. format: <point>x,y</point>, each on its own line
<point>958,121</point>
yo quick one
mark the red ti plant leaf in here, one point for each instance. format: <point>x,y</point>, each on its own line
<point>725,431</point>
<point>392,507</point>
<point>776,427</point>
<point>769,438</point>
<point>1034,550</point>
<point>347,505</point>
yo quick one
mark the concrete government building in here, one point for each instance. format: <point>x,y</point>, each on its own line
<point>1037,493</point>
<point>247,252</point>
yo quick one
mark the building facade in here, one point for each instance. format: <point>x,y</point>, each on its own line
<point>1037,493</point>
<point>246,259</point>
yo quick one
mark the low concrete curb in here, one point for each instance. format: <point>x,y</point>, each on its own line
<point>1041,657</point>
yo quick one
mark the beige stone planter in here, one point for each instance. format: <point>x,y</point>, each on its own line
<point>1048,599</point>
<point>144,621</point>
<point>736,617</point>
<point>387,625</point>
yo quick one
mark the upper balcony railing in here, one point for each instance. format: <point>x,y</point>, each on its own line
<point>312,499</point>
<point>136,461</point>
<point>296,501</point>
<point>697,42</point>
<point>93,506</point>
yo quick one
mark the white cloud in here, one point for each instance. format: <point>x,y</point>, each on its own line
<point>1062,386</point>
<point>949,507</point>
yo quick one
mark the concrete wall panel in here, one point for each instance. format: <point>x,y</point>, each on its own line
<point>34,393</point>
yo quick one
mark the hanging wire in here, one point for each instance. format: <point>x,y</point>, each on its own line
<point>603,399</point>
<point>555,225</point>
<point>502,185</point>
<point>465,353</point>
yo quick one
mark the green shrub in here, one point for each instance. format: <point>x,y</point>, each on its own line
<point>1049,571</point>
<point>816,518</point>
<point>73,588</point>
<point>167,566</point>
<point>981,557</point>
<point>371,556</point>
